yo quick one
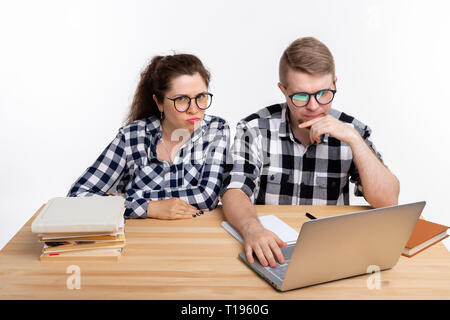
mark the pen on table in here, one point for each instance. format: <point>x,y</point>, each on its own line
<point>309,215</point>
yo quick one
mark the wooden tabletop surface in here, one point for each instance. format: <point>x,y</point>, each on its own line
<point>197,259</point>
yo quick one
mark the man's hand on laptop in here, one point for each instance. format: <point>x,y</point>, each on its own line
<point>265,244</point>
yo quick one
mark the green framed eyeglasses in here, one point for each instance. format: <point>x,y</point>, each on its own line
<point>323,97</point>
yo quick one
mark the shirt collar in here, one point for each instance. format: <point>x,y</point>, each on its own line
<point>200,131</point>
<point>284,129</point>
<point>153,126</point>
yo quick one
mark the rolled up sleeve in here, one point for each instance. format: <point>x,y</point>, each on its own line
<point>244,162</point>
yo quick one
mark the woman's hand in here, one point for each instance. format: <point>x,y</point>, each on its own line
<point>171,209</point>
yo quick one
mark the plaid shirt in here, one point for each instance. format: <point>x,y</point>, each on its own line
<point>272,167</point>
<point>130,162</point>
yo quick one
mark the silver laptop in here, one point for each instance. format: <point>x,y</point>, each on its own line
<point>343,246</point>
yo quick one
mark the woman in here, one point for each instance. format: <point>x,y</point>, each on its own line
<point>169,157</point>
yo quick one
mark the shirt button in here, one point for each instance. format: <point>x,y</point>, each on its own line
<point>272,177</point>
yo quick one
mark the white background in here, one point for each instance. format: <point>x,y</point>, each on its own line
<point>68,71</point>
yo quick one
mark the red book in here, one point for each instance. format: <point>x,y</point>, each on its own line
<point>424,235</point>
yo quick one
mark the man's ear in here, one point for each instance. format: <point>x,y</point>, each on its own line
<point>160,108</point>
<point>335,80</point>
<point>283,90</point>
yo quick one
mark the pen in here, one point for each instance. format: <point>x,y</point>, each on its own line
<point>309,215</point>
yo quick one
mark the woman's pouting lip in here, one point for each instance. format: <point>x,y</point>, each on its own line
<point>193,120</point>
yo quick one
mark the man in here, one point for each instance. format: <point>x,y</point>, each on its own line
<point>301,152</point>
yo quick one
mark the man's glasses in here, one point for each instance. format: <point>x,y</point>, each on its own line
<point>183,103</point>
<point>301,99</point>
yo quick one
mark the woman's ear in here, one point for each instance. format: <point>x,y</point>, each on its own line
<point>160,108</point>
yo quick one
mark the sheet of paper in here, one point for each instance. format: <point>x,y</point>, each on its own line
<point>272,223</point>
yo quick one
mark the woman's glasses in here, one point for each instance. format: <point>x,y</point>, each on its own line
<point>183,103</point>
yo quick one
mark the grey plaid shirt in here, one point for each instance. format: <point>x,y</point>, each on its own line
<point>272,167</point>
<point>130,161</point>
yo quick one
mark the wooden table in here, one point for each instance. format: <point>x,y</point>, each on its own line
<point>197,259</point>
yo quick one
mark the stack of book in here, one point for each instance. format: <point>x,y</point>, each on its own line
<point>81,228</point>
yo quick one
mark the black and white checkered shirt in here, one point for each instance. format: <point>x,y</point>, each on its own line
<point>272,167</point>
<point>130,163</point>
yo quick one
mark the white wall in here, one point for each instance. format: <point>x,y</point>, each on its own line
<point>68,71</point>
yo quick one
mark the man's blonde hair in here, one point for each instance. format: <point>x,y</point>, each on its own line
<point>307,55</point>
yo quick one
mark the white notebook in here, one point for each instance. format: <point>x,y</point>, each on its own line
<point>80,214</point>
<point>272,223</point>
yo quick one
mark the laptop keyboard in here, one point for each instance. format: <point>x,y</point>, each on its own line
<point>279,270</point>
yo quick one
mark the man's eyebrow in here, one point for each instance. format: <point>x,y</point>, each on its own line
<point>298,91</point>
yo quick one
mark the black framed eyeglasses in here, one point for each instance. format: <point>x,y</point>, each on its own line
<point>183,103</point>
<point>323,97</point>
